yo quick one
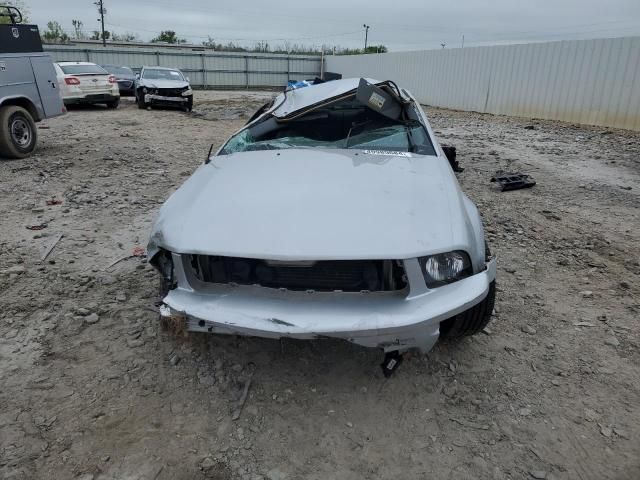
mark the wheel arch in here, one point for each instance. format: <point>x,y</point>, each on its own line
<point>23,102</point>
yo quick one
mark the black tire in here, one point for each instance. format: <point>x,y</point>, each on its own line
<point>18,132</point>
<point>113,103</point>
<point>140,101</point>
<point>476,318</point>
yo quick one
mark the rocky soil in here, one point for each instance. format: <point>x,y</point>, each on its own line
<point>92,388</point>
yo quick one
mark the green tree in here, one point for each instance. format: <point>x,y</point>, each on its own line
<point>20,5</point>
<point>55,33</point>
<point>168,36</point>
<point>77,28</point>
<point>125,37</point>
<point>96,35</point>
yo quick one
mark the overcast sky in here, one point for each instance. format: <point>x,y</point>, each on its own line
<point>399,24</point>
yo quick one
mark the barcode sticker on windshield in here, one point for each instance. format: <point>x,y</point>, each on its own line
<point>376,100</point>
<point>387,152</point>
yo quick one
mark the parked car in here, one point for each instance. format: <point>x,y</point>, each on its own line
<point>163,86</point>
<point>29,92</point>
<point>333,213</point>
<point>87,83</point>
<point>125,77</point>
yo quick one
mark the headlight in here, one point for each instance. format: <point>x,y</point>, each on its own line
<point>187,92</point>
<point>445,268</point>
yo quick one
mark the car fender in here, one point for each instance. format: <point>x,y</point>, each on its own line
<point>475,222</point>
<point>25,101</point>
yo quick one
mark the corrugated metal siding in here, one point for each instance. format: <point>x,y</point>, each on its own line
<point>594,82</point>
<point>219,70</point>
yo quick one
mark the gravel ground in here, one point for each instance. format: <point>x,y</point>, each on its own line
<point>93,388</point>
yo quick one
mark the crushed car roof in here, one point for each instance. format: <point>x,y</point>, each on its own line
<point>293,100</point>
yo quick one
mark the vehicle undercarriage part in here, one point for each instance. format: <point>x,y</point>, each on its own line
<point>391,362</point>
<point>451,154</point>
<point>327,276</point>
<point>513,181</point>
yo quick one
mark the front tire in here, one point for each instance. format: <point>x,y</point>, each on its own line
<point>476,318</point>
<point>140,101</point>
<point>470,321</point>
<point>18,132</point>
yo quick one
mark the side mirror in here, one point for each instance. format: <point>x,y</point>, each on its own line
<point>137,76</point>
<point>188,80</point>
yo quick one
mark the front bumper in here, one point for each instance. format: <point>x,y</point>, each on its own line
<point>388,320</point>
<point>160,99</point>
<point>91,98</point>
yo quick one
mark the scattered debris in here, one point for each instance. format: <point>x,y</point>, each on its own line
<point>54,201</point>
<point>42,226</point>
<point>51,247</point>
<point>612,341</point>
<point>138,252</point>
<point>513,181</point>
<point>391,362</point>
<point>538,474</point>
<point>243,399</point>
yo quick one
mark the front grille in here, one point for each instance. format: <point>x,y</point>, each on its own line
<point>323,276</point>
<point>170,92</point>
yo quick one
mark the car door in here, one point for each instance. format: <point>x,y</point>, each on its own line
<point>47,84</point>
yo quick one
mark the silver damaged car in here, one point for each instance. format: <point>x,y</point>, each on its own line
<point>333,213</point>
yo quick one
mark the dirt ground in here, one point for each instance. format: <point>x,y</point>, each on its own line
<point>91,387</point>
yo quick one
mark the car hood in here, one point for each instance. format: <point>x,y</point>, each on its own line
<point>316,204</point>
<point>162,83</point>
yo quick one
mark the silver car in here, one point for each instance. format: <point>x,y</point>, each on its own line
<point>163,86</point>
<point>333,213</point>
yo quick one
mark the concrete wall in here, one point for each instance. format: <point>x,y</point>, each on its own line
<point>584,81</point>
<point>205,69</point>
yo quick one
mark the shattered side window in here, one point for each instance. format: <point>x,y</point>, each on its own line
<point>239,142</point>
<point>346,124</point>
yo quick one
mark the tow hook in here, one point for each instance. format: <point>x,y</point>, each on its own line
<point>391,362</point>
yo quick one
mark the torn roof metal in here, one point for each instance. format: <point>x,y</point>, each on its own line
<point>297,99</point>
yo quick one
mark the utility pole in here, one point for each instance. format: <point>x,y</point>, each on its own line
<point>366,36</point>
<point>101,11</point>
<point>462,41</point>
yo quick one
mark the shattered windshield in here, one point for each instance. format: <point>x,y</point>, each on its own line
<point>346,124</point>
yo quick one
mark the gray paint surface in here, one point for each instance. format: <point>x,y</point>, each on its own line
<point>594,82</point>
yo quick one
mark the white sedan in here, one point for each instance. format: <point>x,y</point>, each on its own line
<point>333,213</point>
<point>86,82</point>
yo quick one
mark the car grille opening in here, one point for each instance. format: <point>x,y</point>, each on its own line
<point>170,92</point>
<point>322,276</point>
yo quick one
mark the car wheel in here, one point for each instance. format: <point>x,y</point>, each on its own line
<point>113,104</point>
<point>18,132</point>
<point>141,103</point>
<point>473,320</point>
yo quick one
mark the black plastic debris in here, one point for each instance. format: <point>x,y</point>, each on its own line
<point>451,154</point>
<point>391,362</point>
<point>513,181</point>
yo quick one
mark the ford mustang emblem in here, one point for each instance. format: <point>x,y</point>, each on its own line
<point>15,32</point>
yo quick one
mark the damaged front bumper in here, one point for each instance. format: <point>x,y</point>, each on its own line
<point>154,99</point>
<point>388,320</point>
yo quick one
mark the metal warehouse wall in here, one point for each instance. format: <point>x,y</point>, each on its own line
<point>583,81</point>
<point>205,69</point>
